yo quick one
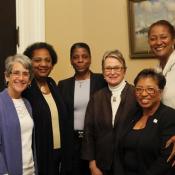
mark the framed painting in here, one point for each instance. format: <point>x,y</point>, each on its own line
<point>141,14</point>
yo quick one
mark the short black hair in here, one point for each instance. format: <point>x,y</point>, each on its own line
<point>79,45</point>
<point>41,45</point>
<point>165,23</point>
<point>151,73</point>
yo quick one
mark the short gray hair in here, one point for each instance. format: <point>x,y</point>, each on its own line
<point>18,58</point>
<point>114,54</point>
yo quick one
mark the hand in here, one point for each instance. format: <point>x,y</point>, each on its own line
<point>94,169</point>
<point>172,155</point>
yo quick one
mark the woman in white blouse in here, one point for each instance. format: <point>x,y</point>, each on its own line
<point>16,123</point>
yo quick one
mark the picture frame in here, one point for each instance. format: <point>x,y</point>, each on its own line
<point>141,14</point>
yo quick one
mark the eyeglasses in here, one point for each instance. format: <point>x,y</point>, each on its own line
<point>149,90</point>
<point>114,69</point>
<point>18,74</point>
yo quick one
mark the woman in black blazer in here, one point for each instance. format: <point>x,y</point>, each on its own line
<point>76,92</point>
<point>141,148</point>
<point>48,111</point>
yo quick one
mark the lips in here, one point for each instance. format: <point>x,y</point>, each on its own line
<point>144,101</point>
<point>43,70</point>
<point>159,48</point>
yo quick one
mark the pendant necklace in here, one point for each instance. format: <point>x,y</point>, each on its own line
<point>114,99</point>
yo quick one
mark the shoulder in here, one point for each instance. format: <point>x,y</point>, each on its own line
<point>166,114</point>
<point>4,96</point>
<point>97,76</point>
<point>102,92</point>
<point>129,89</point>
<point>98,80</point>
<point>66,81</point>
<point>51,81</point>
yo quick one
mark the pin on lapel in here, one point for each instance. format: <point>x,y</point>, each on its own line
<point>155,120</point>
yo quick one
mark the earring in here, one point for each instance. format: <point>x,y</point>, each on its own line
<point>6,83</point>
<point>29,85</point>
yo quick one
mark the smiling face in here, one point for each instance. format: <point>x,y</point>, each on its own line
<point>18,80</point>
<point>42,63</point>
<point>113,71</point>
<point>161,41</point>
<point>148,93</point>
<point>81,60</point>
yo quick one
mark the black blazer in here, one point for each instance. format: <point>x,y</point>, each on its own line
<point>151,153</point>
<point>43,125</point>
<point>100,136</point>
<point>66,88</point>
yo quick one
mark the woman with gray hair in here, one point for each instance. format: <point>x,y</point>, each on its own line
<point>16,123</point>
<point>107,110</point>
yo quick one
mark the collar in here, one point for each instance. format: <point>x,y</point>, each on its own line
<point>170,63</point>
<point>118,88</point>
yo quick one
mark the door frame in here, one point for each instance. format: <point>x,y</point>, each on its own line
<point>30,18</point>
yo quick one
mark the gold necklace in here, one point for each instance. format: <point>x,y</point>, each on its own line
<point>44,90</point>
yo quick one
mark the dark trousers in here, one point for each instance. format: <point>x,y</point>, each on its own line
<point>57,161</point>
<point>56,164</point>
<point>80,167</point>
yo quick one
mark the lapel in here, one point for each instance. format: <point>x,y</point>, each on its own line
<point>169,64</point>
<point>71,92</point>
<point>107,107</point>
<point>92,83</point>
<point>11,134</point>
<point>122,113</point>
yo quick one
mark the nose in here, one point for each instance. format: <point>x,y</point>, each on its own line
<point>144,93</point>
<point>43,62</point>
<point>112,71</point>
<point>80,59</point>
<point>21,76</point>
<point>159,41</point>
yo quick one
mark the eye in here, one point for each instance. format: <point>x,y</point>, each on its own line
<point>151,90</point>
<point>163,37</point>
<point>138,90</point>
<point>152,38</point>
<point>15,73</point>
<point>36,59</point>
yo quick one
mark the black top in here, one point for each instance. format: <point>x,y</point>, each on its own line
<point>151,153</point>
<point>43,125</point>
<point>130,155</point>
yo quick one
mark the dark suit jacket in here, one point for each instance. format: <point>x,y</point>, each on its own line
<point>66,88</point>
<point>99,140</point>
<point>43,126</point>
<point>150,150</point>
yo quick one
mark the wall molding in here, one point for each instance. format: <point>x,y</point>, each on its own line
<point>30,18</point>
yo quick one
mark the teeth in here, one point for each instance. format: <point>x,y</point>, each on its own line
<point>159,48</point>
<point>144,101</point>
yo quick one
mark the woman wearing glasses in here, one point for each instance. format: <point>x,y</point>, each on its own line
<point>106,111</point>
<point>16,123</point>
<point>142,145</point>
